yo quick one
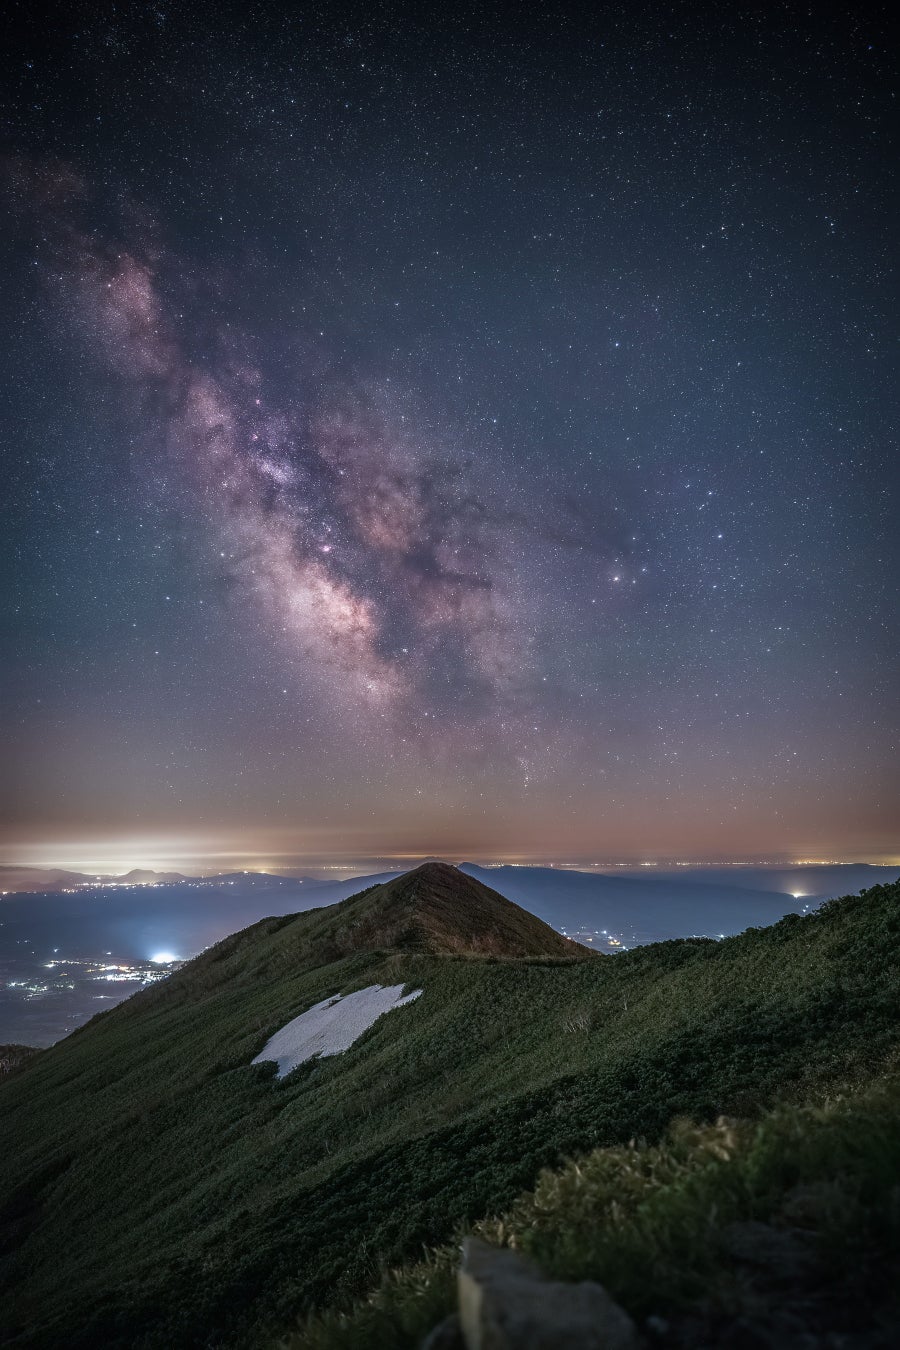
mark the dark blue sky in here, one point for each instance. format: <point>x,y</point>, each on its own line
<point>452,434</point>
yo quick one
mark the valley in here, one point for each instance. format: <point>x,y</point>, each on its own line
<point>84,929</point>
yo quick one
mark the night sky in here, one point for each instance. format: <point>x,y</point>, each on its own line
<point>464,434</point>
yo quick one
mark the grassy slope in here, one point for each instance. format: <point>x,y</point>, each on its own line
<point>156,1190</point>
<point>775,1231</point>
<point>439,909</point>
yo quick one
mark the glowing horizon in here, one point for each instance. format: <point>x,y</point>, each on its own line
<point>202,857</point>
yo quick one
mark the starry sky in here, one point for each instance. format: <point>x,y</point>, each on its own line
<point>454,433</point>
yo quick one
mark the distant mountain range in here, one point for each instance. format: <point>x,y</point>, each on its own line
<point>817,881</point>
<point>16,880</point>
<point>22,879</point>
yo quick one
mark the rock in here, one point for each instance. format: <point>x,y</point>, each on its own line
<point>447,1335</point>
<point>506,1304</point>
<point>14,1056</point>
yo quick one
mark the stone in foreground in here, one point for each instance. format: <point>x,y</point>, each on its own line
<point>506,1304</point>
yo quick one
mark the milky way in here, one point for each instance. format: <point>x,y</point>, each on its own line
<point>373,555</point>
<point>456,437</point>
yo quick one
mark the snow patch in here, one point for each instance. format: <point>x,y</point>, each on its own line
<point>331,1027</point>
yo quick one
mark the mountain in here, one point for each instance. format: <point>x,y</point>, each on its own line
<point>14,880</point>
<point>21,880</point>
<point>436,908</point>
<point>637,908</point>
<point>143,877</point>
<point>158,1188</point>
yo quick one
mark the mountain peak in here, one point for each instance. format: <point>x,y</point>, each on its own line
<point>436,908</point>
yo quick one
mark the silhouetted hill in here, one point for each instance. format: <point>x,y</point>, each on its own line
<point>21,880</point>
<point>139,876</point>
<point>436,908</point>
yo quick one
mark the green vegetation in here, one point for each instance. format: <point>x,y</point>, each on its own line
<point>438,909</point>
<point>157,1190</point>
<point>791,1221</point>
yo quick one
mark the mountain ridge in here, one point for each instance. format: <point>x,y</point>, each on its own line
<point>252,1200</point>
<point>436,908</point>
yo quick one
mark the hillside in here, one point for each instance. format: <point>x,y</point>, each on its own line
<point>437,908</point>
<point>156,1189</point>
<point>781,1232</point>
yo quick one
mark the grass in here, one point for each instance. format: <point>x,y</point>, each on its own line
<point>815,1187</point>
<point>156,1190</point>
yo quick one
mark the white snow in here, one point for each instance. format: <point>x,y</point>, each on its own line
<point>330,1027</point>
